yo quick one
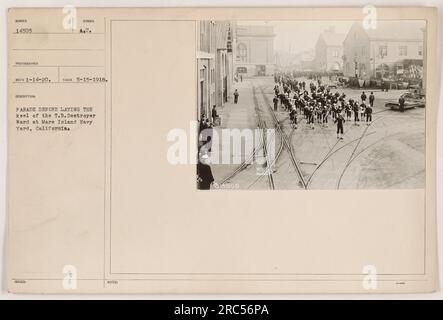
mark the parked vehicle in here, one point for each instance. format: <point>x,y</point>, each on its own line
<point>412,100</point>
<point>417,92</point>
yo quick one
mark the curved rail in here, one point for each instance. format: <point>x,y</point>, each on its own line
<point>285,139</point>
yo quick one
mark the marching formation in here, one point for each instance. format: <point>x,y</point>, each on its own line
<point>319,105</point>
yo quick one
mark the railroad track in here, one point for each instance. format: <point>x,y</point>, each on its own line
<point>262,125</point>
<point>368,147</point>
<point>329,155</point>
<point>269,169</point>
<point>286,141</point>
<point>277,155</point>
<point>263,146</point>
<point>350,159</point>
<point>331,151</point>
<point>244,164</point>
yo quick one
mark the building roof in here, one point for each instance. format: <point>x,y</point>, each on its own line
<point>333,39</point>
<point>397,30</point>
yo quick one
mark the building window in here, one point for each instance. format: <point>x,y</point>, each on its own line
<point>400,69</point>
<point>335,66</point>
<point>242,52</point>
<point>382,70</point>
<point>382,51</point>
<point>402,51</point>
<point>335,53</point>
<point>420,50</point>
<point>362,69</point>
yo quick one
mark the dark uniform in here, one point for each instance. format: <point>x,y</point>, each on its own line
<point>236,96</point>
<point>310,116</point>
<point>275,100</point>
<point>325,115</point>
<point>348,109</point>
<point>214,115</point>
<point>371,99</point>
<point>363,97</point>
<point>368,112</point>
<point>276,90</point>
<point>401,103</point>
<point>293,117</point>
<point>204,176</point>
<point>356,109</point>
<point>339,120</point>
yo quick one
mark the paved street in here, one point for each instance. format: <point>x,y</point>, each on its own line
<point>388,154</point>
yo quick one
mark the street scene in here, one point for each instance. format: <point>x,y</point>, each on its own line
<point>311,105</point>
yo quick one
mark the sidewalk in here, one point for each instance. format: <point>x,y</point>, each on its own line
<point>242,114</point>
<point>234,116</point>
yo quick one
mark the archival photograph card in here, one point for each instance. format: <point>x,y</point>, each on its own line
<point>222,150</point>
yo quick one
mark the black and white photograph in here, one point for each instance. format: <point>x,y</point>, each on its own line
<point>293,105</point>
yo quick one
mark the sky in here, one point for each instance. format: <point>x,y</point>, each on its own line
<point>299,36</point>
